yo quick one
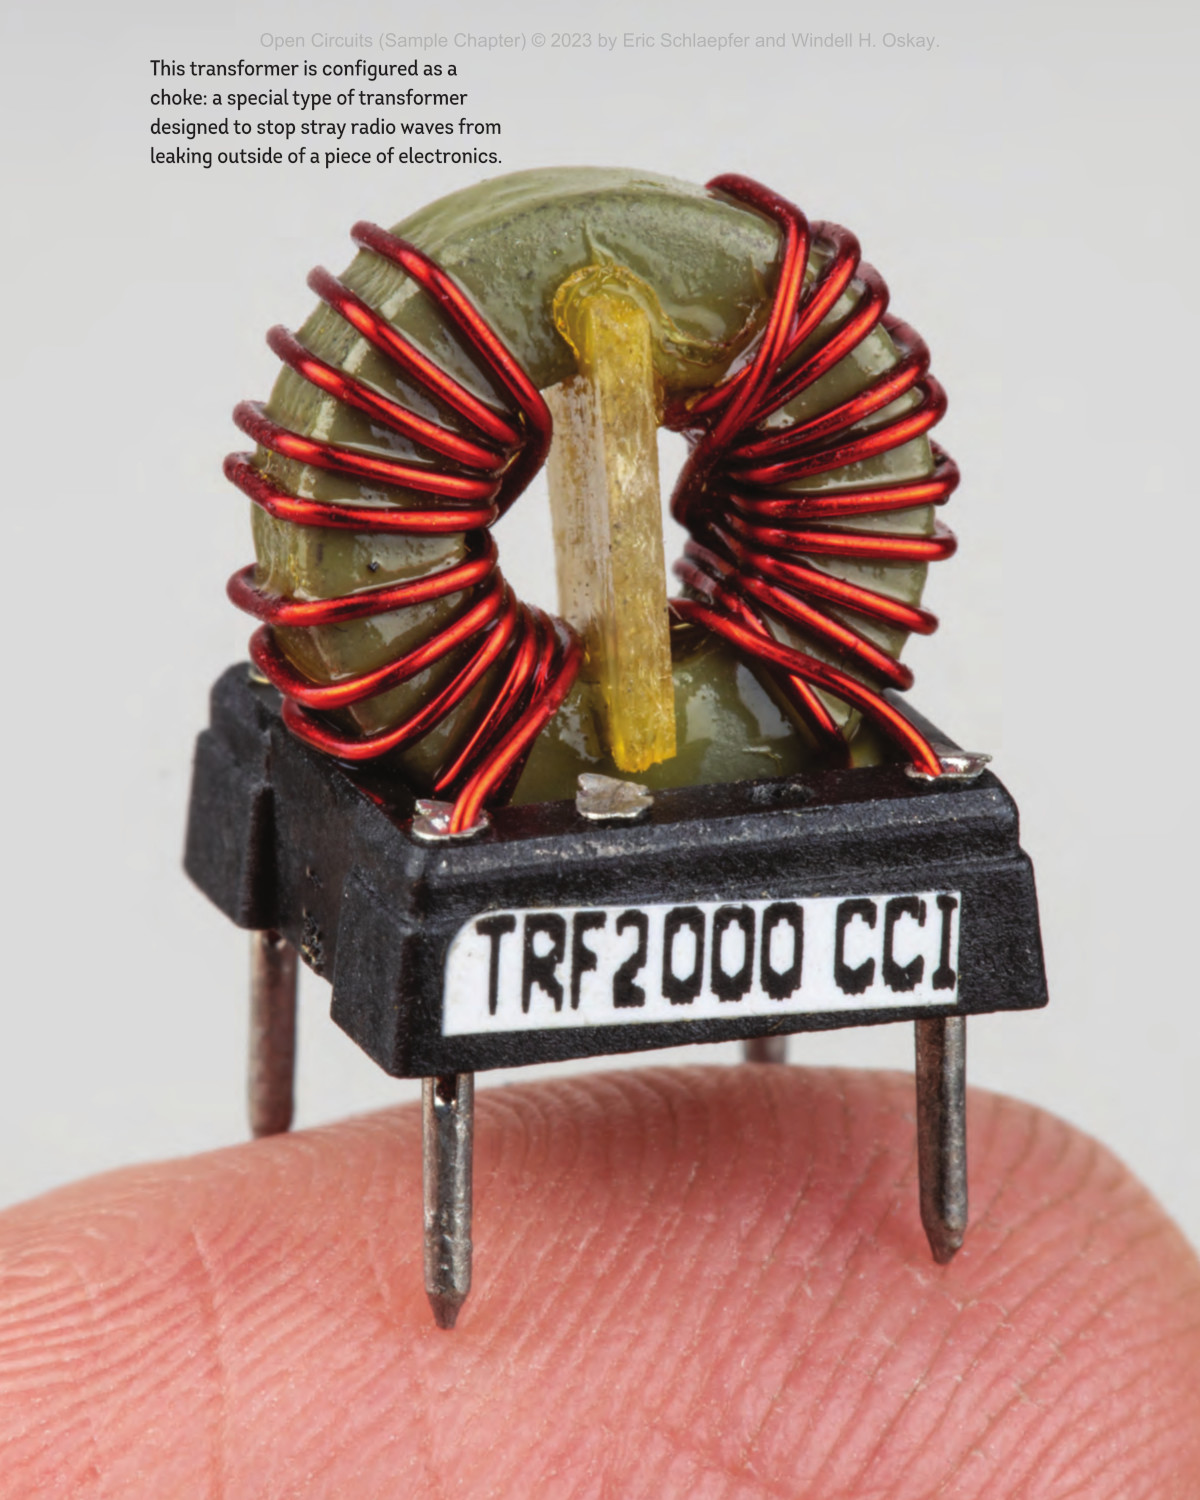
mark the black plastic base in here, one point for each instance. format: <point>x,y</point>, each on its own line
<point>282,837</point>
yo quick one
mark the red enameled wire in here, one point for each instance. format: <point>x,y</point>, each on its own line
<point>491,467</point>
<point>751,538</point>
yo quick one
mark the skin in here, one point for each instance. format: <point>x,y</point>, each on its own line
<point>703,1283</point>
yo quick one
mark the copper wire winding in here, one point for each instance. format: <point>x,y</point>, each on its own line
<point>500,457</point>
<point>749,535</point>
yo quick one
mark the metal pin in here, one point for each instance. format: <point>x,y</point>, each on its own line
<point>957,765</point>
<point>448,1121</point>
<point>765,1049</point>
<point>272,1032</point>
<point>431,823</point>
<point>942,1132</point>
<point>608,799</point>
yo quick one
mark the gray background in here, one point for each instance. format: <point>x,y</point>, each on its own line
<point>1027,189</point>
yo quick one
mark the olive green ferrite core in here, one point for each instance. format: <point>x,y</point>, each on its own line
<point>510,243</point>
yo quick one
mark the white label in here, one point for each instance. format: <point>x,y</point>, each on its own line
<point>631,965</point>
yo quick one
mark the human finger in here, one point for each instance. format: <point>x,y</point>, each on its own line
<point>688,1283</point>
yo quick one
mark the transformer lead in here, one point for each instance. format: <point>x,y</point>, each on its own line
<point>942,1132</point>
<point>272,1033</point>
<point>448,1123</point>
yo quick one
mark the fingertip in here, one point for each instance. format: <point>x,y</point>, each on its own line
<point>685,1279</point>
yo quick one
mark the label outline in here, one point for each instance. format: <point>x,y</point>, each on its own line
<point>859,953</point>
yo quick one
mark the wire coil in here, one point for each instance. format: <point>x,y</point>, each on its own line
<point>750,537</point>
<point>500,457</point>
